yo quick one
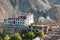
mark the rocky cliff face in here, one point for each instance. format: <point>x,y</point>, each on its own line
<point>6,10</point>
<point>28,5</point>
<point>43,7</point>
<point>54,13</point>
<point>54,2</point>
<point>13,8</point>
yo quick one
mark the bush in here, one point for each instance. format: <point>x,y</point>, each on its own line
<point>40,33</point>
<point>6,37</point>
<point>16,36</point>
<point>30,35</point>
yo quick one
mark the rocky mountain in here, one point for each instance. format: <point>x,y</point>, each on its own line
<point>54,2</point>
<point>54,13</point>
<point>33,6</point>
<point>13,8</point>
<point>7,10</point>
<point>29,5</point>
<point>39,7</point>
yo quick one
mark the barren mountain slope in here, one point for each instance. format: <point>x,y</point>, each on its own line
<point>13,8</point>
<point>6,10</point>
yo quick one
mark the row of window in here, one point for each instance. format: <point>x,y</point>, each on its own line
<point>19,22</point>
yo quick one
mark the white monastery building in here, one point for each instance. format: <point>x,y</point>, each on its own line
<point>22,20</point>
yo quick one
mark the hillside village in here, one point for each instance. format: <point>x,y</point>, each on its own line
<point>27,23</point>
<point>30,20</point>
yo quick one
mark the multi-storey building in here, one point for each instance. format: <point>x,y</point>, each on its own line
<point>9,21</point>
<point>20,20</point>
<point>23,20</point>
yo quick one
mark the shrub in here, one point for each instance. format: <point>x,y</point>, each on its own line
<point>40,33</point>
<point>30,35</point>
<point>6,37</point>
<point>16,36</point>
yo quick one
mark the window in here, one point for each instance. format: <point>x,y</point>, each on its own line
<point>29,26</point>
<point>18,23</point>
<point>16,19</point>
<point>22,23</point>
<point>9,21</point>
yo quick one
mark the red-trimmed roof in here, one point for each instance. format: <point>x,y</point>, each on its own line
<point>21,16</point>
<point>11,18</point>
<point>24,17</point>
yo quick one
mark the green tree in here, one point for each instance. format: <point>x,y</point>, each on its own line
<point>16,36</point>
<point>36,21</point>
<point>40,33</point>
<point>31,35</point>
<point>6,37</point>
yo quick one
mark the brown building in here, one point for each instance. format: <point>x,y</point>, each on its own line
<point>46,27</point>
